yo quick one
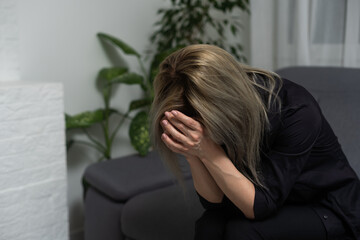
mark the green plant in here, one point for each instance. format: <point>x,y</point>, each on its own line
<point>200,21</point>
<point>107,79</point>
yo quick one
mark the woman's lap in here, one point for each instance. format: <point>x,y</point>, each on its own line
<point>291,222</point>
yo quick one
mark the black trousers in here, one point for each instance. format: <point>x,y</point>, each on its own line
<point>291,222</point>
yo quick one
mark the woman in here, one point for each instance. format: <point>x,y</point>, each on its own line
<point>265,162</point>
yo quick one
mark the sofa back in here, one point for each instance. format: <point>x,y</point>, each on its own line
<point>337,91</point>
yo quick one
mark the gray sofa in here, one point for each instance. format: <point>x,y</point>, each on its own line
<point>137,198</point>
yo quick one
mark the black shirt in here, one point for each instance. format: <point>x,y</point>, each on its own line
<point>302,163</point>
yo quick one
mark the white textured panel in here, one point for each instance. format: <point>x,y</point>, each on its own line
<point>46,142</point>
<point>19,111</point>
<point>20,178</point>
<point>29,92</point>
<point>37,158</point>
<point>33,178</point>
<point>34,211</point>
<point>27,100</point>
<point>29,127</point>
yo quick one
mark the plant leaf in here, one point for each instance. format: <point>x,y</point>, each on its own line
<point>128,78</point>
<point>121,44</point>
<point>139,133</point>
<point>84,119</point>
<point>111,73</point>
<point>103,79</point>
<point>136,104</point>
<point>87,118</point>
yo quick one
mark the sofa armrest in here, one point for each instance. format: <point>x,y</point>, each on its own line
<point>122,178</point>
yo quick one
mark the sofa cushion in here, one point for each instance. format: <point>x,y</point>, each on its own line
<point>143,217</point>
<point>124,177</point>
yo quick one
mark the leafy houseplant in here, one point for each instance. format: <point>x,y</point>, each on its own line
<point>200,21</point>
<point>107,78</point>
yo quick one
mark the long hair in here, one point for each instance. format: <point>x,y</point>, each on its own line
<point>206,83</point>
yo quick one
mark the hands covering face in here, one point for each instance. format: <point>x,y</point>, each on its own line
<point>186,136</point>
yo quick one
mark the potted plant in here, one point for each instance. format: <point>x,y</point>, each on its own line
<point>106,80</point>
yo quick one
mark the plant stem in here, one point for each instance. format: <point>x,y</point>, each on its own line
<point>106,136</point>
<point>126,115</point>
<point>90,145</point>
<point>118,126</point>
<point>97,143</point>
<point>106,125</point>
<point>147,83</point>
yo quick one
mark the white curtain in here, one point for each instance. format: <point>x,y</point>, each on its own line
<point>304,32</point>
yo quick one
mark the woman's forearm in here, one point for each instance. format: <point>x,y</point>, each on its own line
<point>233,184</point>
<point>204,183</point>
<point>217,175</point>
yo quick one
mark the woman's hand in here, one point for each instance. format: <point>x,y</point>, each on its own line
<point>187,136</point>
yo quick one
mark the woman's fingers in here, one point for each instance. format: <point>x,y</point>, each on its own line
<point>182,134</point>
<point>171,130</point>
<point>194,132</point>
<point>188,121</point>
<point>173,145</point>
<point>179,125</point>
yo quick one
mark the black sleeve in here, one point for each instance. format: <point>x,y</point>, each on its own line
<point>283,163</point>
<point>209,205</point>
<point>225,206</point>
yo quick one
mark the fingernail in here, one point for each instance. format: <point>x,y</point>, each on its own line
<point>163,135</point>
<point>165,122</point>
<point>167,114</point>
<point>174,112</point>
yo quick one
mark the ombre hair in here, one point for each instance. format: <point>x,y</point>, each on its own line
<point>231,101</point>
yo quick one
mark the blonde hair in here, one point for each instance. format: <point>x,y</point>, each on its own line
<point>206,83</point>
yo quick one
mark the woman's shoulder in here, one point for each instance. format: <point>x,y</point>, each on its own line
<point>296,103</point>
<point>293,95</point>
<point>297,125</point>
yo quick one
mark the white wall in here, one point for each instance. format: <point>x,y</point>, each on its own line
<point>58,43</point>
<point>9,64</point>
